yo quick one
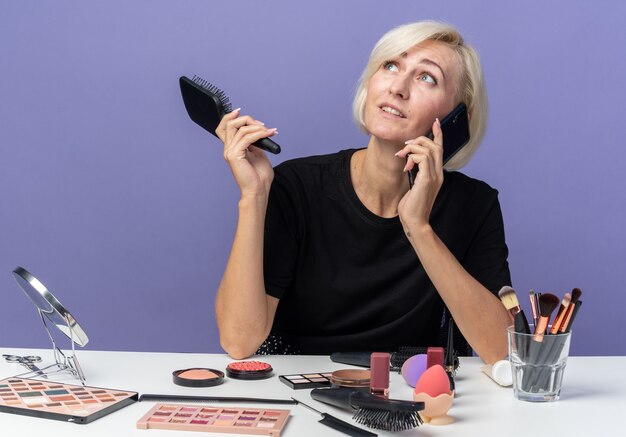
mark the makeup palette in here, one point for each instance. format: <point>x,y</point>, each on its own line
<point>306,380</point>
<point>211,419</point>
<point>52,400</point>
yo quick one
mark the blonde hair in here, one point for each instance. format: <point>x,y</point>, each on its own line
<point>471,89</point>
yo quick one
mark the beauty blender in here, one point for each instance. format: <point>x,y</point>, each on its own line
<point>434,381</point>
<point>413,368</point>
<point>433,388</point>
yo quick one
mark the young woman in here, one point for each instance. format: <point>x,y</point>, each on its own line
<point>336,253</point>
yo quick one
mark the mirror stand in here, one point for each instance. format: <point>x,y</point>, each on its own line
<point>63,363</point>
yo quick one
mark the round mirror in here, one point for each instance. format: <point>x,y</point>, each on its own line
<point>49,306</point>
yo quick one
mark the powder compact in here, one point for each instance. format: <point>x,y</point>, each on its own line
<point>249,370</point>
<point>352,378</point>
<point>198,377</point>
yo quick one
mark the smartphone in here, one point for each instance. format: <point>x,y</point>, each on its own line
<point>456,134</point>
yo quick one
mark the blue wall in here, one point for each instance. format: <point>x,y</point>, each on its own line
<point>125,209</point>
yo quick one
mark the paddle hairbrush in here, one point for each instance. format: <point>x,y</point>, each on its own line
<point>206,104</point>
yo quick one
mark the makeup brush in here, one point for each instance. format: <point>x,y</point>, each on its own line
<point>551,355</point>
<point>509,300</point>
<point>373,411</point>
<point>533,306</point>
<point>560,315</point>
<point>448,359</point>
<point>547,304</point>
<point>576,293</point>
<point>573,316</point>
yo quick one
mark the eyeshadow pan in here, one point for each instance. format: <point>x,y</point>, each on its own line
<point>28,394</point>
<point>271,413</point>
<point>62,398</point>
<point>56,392</point>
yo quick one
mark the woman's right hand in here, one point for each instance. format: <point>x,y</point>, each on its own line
<point>252,169</point>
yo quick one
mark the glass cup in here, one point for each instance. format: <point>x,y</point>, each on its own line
<point>537,364</point>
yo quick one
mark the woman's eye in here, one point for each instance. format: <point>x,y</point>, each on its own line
<point>427,78</point>
<point>390,66</point>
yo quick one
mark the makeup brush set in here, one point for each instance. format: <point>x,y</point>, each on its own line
<point>540,346</point>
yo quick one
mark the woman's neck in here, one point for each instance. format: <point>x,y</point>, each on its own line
<point>378,179</point>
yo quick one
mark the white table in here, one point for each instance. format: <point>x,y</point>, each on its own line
<point>593,396</point>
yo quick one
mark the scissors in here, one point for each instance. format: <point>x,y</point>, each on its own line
<point>26,361</point>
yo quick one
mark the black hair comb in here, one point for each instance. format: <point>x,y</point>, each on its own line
<point>206,104</point>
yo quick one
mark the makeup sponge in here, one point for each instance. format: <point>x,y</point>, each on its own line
<point>413,368</point>
<point>434,381</point>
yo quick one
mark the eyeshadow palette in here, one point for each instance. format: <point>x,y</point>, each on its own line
<point>211,419</point>
<point>57,401</point>
<point>306,380</point>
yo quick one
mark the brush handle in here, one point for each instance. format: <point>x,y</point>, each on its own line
<point>532,357</point>
<point>186,398</point>
<point>339,397</point>
<point>547,356</point>
<point>521,323</point>
<point>268,145</point>
<point>361,359</point>
<point>345,427</point>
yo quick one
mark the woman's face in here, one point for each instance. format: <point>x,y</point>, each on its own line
<point>407,93</point>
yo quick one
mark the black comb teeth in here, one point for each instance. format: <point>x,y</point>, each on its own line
<point>228,107</point>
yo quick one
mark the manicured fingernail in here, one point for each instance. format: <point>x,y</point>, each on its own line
<point>438,122</point>
<point>259,122</point>
<point>275,130</point>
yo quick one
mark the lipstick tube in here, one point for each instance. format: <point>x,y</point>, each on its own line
<point>379,380</point>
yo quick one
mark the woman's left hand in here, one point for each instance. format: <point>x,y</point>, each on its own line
<point>416,205</point>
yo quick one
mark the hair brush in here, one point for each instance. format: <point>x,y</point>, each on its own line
<point>206,104</point>
<point>373,411</point>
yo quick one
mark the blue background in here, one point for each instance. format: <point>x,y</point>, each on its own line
<point>126,210</point>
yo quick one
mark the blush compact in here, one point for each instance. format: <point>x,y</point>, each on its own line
<point>358,379</point>
<point>249,370</point>
<point>198,377</point>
